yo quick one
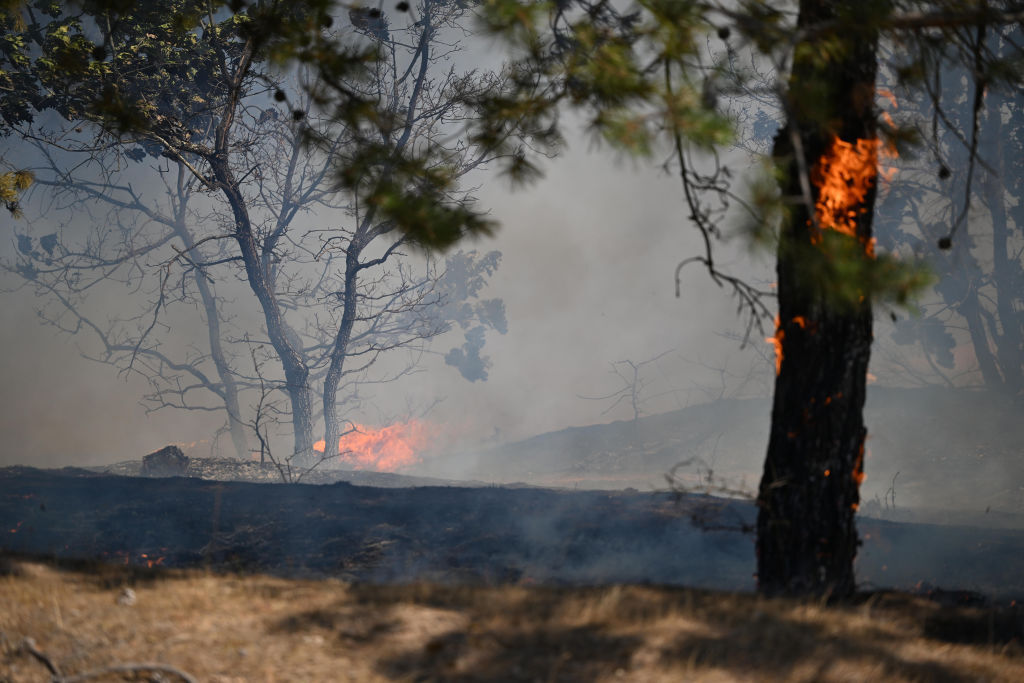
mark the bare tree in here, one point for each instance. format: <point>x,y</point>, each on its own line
<point>247,227</point>
<point>131,242</point>
<point>633,381</point>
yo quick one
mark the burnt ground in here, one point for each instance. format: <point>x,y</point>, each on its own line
<point>459,535</point>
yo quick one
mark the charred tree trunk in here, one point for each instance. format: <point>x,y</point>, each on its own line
<point>809,492</point>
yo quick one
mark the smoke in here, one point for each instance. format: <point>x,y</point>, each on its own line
<point>588,257</point>
<point>585,280</point>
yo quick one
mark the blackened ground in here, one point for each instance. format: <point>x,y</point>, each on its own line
<point>459,535</point>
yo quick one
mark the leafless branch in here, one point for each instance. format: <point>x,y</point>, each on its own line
<point>29,645</point>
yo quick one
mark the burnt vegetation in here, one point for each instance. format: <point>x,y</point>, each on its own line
<point>286,178</point>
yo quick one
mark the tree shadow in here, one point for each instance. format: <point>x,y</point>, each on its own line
<point>571,634</point>
<point>778,648</point>
<point>557,653</point>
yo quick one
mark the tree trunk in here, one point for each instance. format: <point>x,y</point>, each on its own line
<point>296,373</point>
<point>1005,265</point>
<point>229,391</point>
<point>339,351</point>
<point>228,386</point>
<point>809,492</point>
<point>970,308</point>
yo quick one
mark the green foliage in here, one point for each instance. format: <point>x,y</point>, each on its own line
<point>762,225</point>
<point>167,74</point>
<point>154,74</point>
<point>633,76</point>
<point>842,272</point>
<point>409,192</point>
<point>17,84</point>
<point>163,69</point>
<point>12,184</point>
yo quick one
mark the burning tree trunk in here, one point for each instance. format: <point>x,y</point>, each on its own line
<point>808,496</point>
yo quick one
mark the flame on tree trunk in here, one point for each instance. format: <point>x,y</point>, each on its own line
<point>809,492</point>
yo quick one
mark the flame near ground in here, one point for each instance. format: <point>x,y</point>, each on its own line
<point>386,449</point>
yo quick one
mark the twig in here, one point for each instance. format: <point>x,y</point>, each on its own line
<point>132,667</point>
<point>29,646</point>
<point>716,496</point>
<point>891,493</point>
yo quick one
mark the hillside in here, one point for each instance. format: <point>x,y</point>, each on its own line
<point>933,454</point>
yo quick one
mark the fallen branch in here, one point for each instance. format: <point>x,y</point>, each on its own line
<point>29,646</point>
<point>128,668</point>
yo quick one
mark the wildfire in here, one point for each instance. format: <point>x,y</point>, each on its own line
<point>128,558</point>
<point>844,175</point>
<point>151,561</point>
<point>776,342</point>
<point>386,449</point>
<point>780,334</point>
<point>858,467</point>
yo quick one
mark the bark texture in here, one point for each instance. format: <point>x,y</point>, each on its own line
<point>809,492</point>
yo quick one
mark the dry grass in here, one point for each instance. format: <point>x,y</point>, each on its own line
<point>257,628</point>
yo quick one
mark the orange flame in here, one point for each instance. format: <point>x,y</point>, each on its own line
<point>386,449</point>
<point>151,562</point>
<point>776,343</point>
<point>780,334</point>
<point>858,467</point>
<point>844,175</point>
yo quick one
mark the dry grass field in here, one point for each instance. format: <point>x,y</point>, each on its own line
<point>83,618</point>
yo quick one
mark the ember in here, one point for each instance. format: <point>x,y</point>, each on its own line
<point>151,562</point>
<point>386,449</point>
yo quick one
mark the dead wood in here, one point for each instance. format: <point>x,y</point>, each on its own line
<point>29,646</point>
